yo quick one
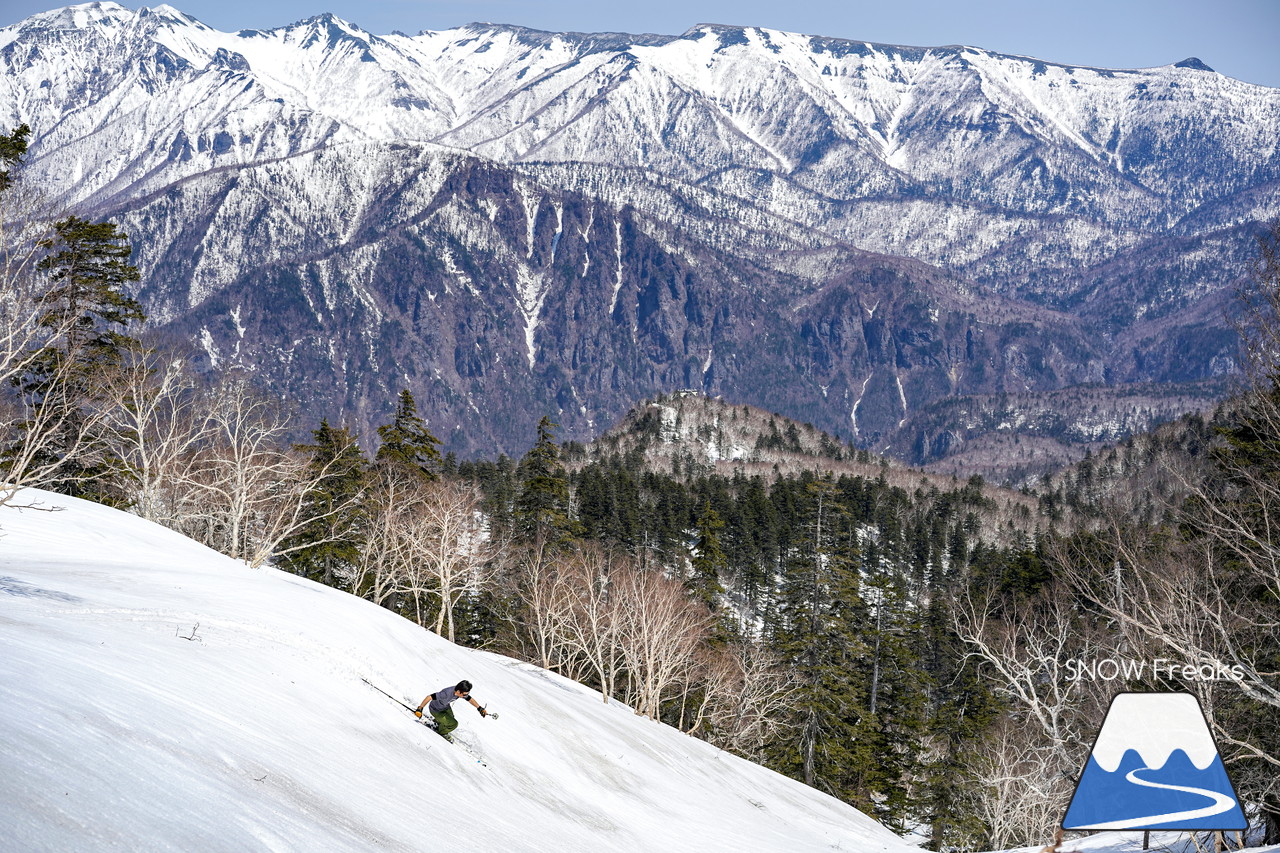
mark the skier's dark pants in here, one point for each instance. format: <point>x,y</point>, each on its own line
<point>446,722</point>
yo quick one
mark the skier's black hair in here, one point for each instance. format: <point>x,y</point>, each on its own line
<point>463,687</point>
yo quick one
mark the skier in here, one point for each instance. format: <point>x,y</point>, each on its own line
<point>442,713</point>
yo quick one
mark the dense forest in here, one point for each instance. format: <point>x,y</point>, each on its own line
<point>908,642</point>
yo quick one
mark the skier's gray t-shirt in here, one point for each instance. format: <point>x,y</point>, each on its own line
<point>442,699</point>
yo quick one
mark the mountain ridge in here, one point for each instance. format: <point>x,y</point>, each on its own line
<point>1025,226</point>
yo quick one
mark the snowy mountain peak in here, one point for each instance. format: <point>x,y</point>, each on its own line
<point>164,10</point>
<point>80,16</point>
<point>325,30</point>
<point>166,23</point>
<point>110,20</point>
<point>326,21</point>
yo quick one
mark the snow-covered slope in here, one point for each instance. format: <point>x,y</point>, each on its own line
<point>155,695</point>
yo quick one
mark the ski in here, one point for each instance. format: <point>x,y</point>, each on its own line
<point>477,758</point>
<point>431,724</point>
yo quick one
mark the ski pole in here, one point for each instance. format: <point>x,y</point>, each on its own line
<point>389,696</point>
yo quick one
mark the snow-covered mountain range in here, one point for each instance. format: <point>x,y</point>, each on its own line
<point>155,695</point>
<point>513,222</point>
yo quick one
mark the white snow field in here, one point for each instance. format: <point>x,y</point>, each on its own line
<point>155,695</point>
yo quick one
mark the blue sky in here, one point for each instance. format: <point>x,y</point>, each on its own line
<point>1236,37</point>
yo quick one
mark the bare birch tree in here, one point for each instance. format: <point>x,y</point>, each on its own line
<point>1027,646</point>
<point>660,633</point>
<point>40,433</point>
<point>1027,767</point>
<point>1022,793</point>
<point>744,695</point>
<point>588,620</point>
<point>250,487</point>
<point>452,544</point>
<point>240,474</point>
<point>540,615</point>
<point>376,573</point>
<point>153,429</point>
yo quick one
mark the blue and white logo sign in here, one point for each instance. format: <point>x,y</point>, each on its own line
<point>1155,766</point>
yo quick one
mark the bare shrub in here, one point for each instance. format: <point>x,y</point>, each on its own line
<point>745,692</point>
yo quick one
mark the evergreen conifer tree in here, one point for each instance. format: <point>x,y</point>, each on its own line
<point>596,504</point>
<point>963,706</point>
<point>87,268</point>
<point>12,149</point>
<point>542,505</point>
<point>333,537</point>
<point>500,484</point>
<point>752,540</point>
<point>890,732</point>
<point>816,630</point>
<point>708,559</point>
<point>407,444</point>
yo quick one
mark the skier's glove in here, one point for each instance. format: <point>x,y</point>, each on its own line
<point>483,712</point>
<point>418,713</point>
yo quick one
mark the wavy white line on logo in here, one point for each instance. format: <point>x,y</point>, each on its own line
<point>1221,803</point>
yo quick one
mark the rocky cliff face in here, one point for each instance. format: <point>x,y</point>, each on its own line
<point>513,223</point>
